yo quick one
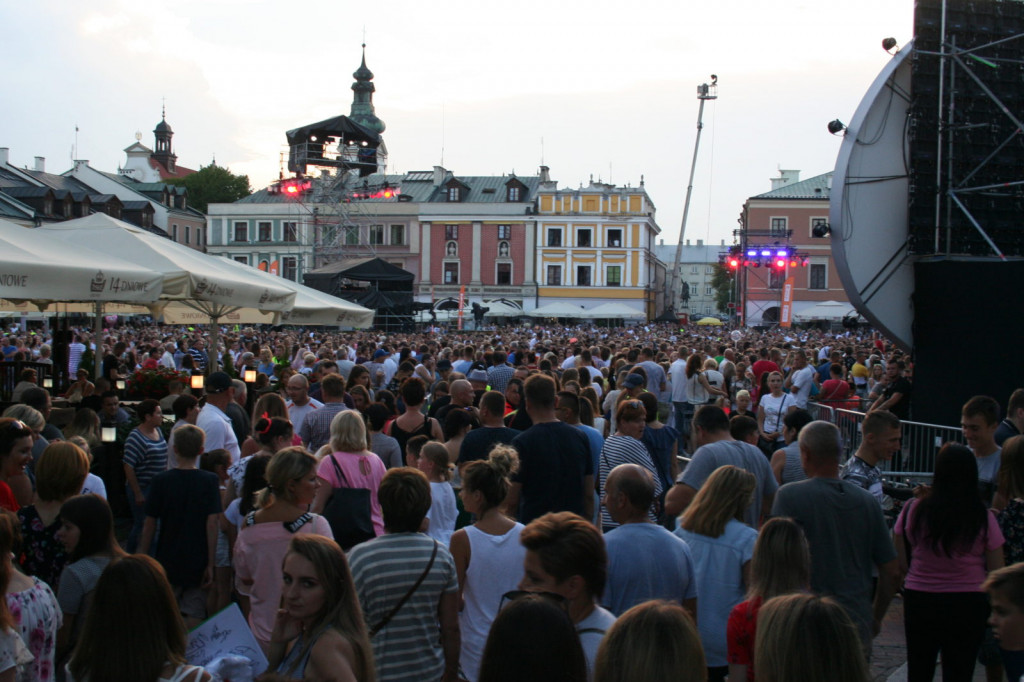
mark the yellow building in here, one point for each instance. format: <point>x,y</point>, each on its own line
<point>596,246</point>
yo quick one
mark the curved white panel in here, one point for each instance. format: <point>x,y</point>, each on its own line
<point>868,207</point>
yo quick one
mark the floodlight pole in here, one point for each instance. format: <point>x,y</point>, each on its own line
<point>704,93</point>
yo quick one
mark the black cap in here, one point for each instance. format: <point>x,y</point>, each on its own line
<point>218,382</point>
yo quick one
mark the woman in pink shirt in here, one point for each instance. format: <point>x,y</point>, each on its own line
<point>946,543</point>
<point>360,467</point>
<point>281,511</point>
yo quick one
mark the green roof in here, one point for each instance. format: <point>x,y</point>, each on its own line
<point>818,187</point>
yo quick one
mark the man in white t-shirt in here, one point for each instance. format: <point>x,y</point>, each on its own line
<point>800,379</point>
<point>300,404</point>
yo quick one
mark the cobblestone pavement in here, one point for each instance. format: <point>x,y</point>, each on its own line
<point>889,654</point>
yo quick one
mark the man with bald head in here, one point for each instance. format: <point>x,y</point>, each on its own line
<point>299,403</point>
<point>645,561</point>
<point>845,530</point>
<point>462,396</point>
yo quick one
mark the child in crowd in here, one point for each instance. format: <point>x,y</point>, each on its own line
<point>185,501</point>
<point>433,461</point>
<point>1005,588</point>
<point>217,462</point>
<point>412,450</point>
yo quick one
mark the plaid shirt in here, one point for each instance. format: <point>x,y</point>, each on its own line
<point>316,427</point>
<point>498,376</point>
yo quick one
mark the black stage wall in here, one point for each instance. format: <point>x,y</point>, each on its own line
<point>968,333</point>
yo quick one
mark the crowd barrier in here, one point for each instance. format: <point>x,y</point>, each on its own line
<point>920,442</point>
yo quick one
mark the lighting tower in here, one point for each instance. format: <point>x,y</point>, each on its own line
<point>704,93</point>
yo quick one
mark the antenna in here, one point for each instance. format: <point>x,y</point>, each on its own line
<point>542,150</point>
<point>74,150</point>
<point>442,134</point>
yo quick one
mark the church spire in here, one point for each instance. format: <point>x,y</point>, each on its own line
<point>362,99</point>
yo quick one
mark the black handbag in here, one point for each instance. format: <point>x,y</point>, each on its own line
<point>348,512</point>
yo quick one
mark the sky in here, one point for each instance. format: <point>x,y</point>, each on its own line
<point>597,89</point>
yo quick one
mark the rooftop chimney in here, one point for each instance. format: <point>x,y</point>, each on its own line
<point>545,176</point>
<point>41,164</point>
<point>4,151</point>
<point>786,177</point>
<point>700,242</point>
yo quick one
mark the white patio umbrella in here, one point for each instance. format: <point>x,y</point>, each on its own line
<point>311,307</point>
<point>502,308</point>
<point>616,311</point>
<point>559,310</point>
<point>826,310</point>
<point>190,277</point>
<point>37,270</point>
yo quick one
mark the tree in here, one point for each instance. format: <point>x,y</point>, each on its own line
<point>722,282</point>
<point>213,185</point>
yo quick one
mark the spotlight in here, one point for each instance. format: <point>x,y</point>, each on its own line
<point>781,252</point>
<point>888,44</point>
<point>765,253</point>
<point>821,230</point>
<point>751,253</point>
<point>835,127</point>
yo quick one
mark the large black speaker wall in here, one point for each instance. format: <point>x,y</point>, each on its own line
<point>979,128</point>
<point>968,329</point>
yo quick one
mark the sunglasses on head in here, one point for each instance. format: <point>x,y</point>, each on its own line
<point>515,595</point>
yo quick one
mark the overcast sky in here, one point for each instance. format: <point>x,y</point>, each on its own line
<point>598,88</point>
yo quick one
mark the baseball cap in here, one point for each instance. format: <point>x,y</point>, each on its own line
<point>444,364</point>
<point>380,354</point>
<point>218,382</point>
<point>634,381</point>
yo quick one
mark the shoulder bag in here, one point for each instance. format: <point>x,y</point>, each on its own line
<point>348,512</point>
<point>401,602</point>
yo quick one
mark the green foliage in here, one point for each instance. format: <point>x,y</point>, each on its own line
<point>722,282</point>
<point>213,185</point>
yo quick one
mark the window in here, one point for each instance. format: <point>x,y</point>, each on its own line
<point>554,275</point>
<point>707,310</point>
<point>504,232</point>
<point>583,236</point>
<point>398,234</point>
<point>291,232</point>
<point>241,232</point>
<point>264,231</point>
<point>613,276</point>
<point>376,235</point>
<point>707,291</point>
<point>454,193</point>
<point>451,231</point>
<point>504,274</point>
<point>289,267</point>
<point>818,276</point>
<point>694,270</point>
<point>817,221</point>
<point>779,227</point>
<point>615,237</point>
<point>694,288</point>
<point>451,273</point>
<point>709,269</point>
<point>583,275</point>
<point>188,234</point>
<point>513,193</point>
<point>174,232</point>
<point>200,236</point>
<point>554,236</point>
<point>351,235</point>
<point>244,260</point>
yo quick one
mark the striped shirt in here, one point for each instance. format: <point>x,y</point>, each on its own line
<point>316,426</point>
<point>383,570</point>
<point>626,450</point>
<point>147,457</point>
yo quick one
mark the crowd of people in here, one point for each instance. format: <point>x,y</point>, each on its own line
<point>526,503</point>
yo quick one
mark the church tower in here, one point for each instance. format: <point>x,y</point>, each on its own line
<point>362,101</point>
<point>163,134</point>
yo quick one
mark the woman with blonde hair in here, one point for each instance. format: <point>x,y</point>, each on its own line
<point>319,632</point>
<point>281,512</point>
<point>351,465</point>
<point>651,642</point>
<point>85,423</point>
<point>721,546</point>
<point>807,637</point>
<point>781,565</point>
<point>60,474</point>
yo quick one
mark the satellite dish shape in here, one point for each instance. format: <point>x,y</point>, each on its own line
<point>736,335</point>
<point>869,205</point>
